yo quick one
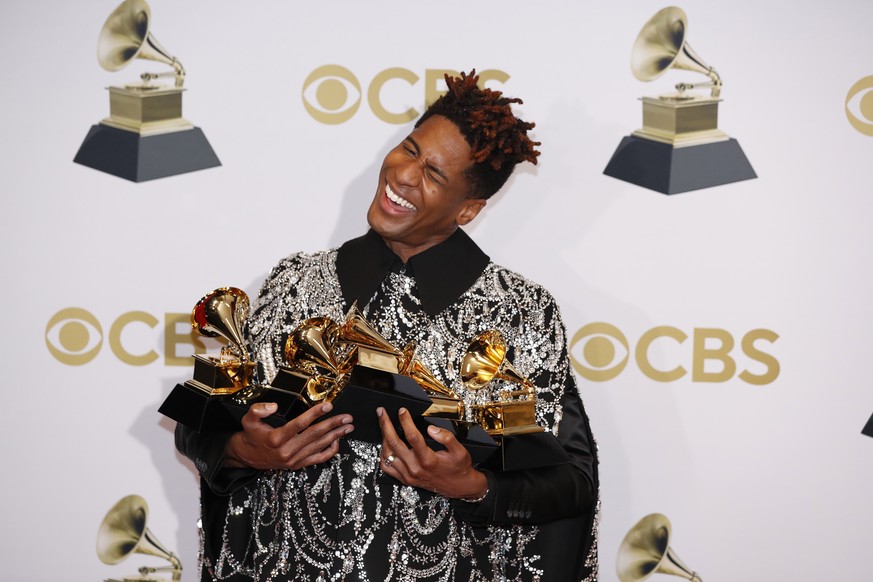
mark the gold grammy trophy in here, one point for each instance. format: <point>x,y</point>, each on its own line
<point>646,550</point>
<point>373,350</point>
<point>145,135</point>
<point>679,148</point>
<point>311,353</point>
<point>353,366</point>
<point>222,313</point>
<point>508,414</point>
<point>512,411</point>
<point>222,388</point>
<point>123,532</point>
<point>200,403</point>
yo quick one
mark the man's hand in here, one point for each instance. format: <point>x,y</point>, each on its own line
<point>299,443</point>
<point>449,473</point>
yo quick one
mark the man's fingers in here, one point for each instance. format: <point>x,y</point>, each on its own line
<point>301,422</point>
<point>448,440</point>
<point>253,418</point>
<point>412,434</point>
<point>389,435</point>
<point>318,450</point>
<point>261,409</point>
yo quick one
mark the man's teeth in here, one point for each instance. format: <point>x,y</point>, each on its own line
<point>397,199</point>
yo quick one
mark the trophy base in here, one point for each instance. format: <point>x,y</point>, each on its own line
<point>369,388</point>
<point>138,158</point>
<point>472,436</point>
<point>672,170</point>
<point>221,378</point>
<point>191,406</point>
<point>527,451</point>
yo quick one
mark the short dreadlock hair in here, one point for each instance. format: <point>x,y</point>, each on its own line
<point>498,138</point>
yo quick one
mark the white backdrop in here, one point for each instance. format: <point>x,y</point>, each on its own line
<point>761,482</point>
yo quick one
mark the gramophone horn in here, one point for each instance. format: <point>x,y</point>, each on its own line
<point>310,347</point>
<point>222,312</point>
<point>125,36</point>
<point>357,330</point>
<point>485,361</point>
<point>662,45</point>
<point>123,532</point>
<point>646,550</point>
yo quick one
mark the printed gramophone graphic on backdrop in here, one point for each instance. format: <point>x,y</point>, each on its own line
<point>123,532</point>
<point>645,550</point>
<point>679,148</point>
<point>145,136</point>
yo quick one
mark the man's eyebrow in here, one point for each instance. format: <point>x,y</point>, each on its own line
<point>430,167</point>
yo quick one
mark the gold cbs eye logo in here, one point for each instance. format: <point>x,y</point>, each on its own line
<point>73,336</point>
<point>859,105</point>
<point>331,94</point>
<point>602,349</point>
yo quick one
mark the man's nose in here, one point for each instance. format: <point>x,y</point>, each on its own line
<point>409,172</point>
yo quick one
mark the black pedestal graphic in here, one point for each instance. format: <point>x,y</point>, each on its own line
<point>672,170</point>
<point>139,158</point>
<point>868,428</point>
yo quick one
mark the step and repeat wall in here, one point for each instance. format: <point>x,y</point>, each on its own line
<point>720,336</point>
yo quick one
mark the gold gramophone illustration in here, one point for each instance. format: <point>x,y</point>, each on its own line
<point>123,532</point>
<point>646,550</point>
<point>679,147</point>
<point>145,135</point>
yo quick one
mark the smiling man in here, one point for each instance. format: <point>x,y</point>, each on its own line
<point>307,501</point>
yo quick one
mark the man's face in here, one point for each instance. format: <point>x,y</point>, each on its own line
<point>422,193</point>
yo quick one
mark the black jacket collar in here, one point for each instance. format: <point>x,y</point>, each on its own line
<point>442,273</point>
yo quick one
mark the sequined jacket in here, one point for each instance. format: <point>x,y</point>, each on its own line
<point>345,519</point>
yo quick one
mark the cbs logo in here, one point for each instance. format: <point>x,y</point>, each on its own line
<point>859,105</point>
<point>604,352</point>
<point>332,94</point>
<point>75,337</point>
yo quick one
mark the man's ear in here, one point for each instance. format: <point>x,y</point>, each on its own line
<point>471,208</point>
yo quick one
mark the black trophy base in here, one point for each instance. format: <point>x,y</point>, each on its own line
<point>528,451</point>
<point>672,170</point>
<point>369,388</point>
<point>210,413</point>
<point>868,428</point>
<point>203,412</point>
<point>139,158</point>
<point>474,438</point>
<point>366,389</point>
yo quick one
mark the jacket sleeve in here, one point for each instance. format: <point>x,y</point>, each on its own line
<point>206,451</point>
